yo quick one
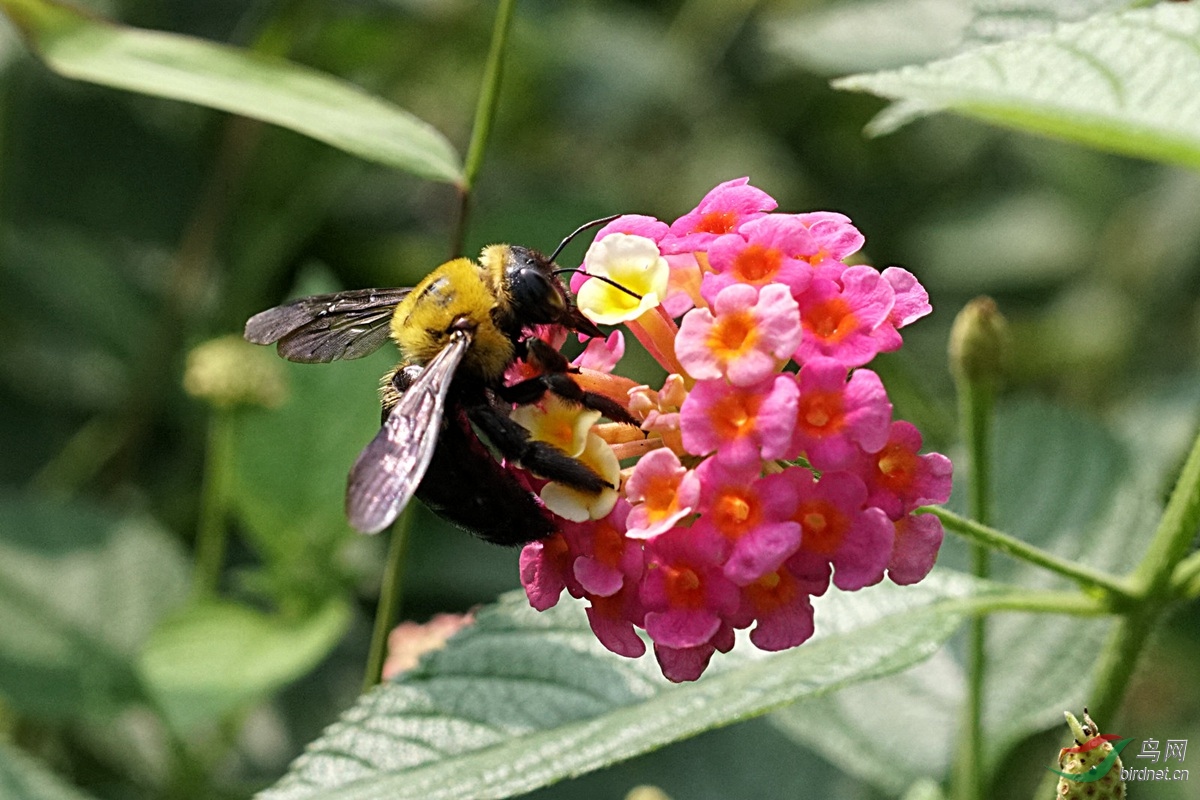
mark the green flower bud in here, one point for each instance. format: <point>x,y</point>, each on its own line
<point>979,343</point>
<point>229,371</point>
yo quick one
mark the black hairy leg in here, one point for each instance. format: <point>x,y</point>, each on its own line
<point>541,458</point>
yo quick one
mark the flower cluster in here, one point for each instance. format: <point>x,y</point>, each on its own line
<point>769,464</point>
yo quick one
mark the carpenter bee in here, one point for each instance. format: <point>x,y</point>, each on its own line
<point>458,331</point>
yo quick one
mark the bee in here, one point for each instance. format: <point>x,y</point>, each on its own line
<point>458,330</point>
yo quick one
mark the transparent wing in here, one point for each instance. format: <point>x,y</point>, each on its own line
<point>388,470</point>
<point>327,327</point>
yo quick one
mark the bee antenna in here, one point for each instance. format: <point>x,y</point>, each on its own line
<point>607,280</point>
<point>578,231</point>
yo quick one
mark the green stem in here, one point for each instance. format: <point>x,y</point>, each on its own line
<point>212,532</point>
<point>976,405</point>
<point>1176,530</point>
<point>1037,602</point>
<point>1185,580</point>
<point>388,610</point>
<point>485,115</point>
<point>999,541</point>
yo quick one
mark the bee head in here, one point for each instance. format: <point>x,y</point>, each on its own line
<point>537,295</point>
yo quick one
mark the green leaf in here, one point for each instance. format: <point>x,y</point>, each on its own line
<point>521,699</point>
<point>1125,82</point>
<point>80,590</point>
<point>23,778</point>
<point>217,657</point>
<point>239,81</point>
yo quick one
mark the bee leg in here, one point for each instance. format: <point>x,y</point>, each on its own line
<point>532,389</point>
<point>394,384</point>
<point>543,356</point>
<point>541,458</point>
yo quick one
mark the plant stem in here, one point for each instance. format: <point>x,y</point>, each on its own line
<point>982,535</point>
<point>390,595</point>
<point>1185,580</point>
<point>1037,602</point>
<point>212,531</point>
<point>485,114</point>
<point>976,404</point>
<point>1176,530</point>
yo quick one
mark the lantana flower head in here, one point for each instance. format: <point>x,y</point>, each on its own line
<point>767,467</point>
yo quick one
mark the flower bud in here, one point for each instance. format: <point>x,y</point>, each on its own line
<point>979,343</point>
<point>229,371</point>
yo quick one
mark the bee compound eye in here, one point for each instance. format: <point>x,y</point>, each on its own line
<point>537,296</point>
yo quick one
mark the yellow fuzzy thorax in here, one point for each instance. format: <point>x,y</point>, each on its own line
<point>458,289</point>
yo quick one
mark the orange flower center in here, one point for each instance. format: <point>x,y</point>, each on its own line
<point>897,467</point>
<point>684,588</point>
<point>831,320</point>
<point>661,496</point>
<point>735,513</point>
<point>733,416</point>
<point>732,334</point>
<point>757,264</point>
<point>822,525</point>
<point>608,544</point>
<point>717,222</point>
<point>821,413</point>
<point>771,591</point>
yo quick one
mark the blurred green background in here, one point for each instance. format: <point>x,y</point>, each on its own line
<point>133,229</point>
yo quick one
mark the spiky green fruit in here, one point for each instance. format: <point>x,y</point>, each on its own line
<point>1098,777</point>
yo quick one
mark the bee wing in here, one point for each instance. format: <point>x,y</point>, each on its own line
<point>388,470</point>
<point>326,327</point>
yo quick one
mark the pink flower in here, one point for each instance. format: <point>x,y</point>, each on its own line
<point>601,355</point>
<point>663,493</point>
<point>899,479</point>
<point>912,301</point>
<point>722,210</point>
<point>680,664</point>
<point>841,315</point>
<point>613,620</point>
<point>838,530</point>
<point>834,233</point>
<point>779,601</point>
<point>751,515</point>
<point>836,418</point>
<point>770,249</point>
<point>605,560</point>
<point>742,424</point>
<point>685,593</point>
<point>749,337</point>
<point>545,567</point>
<point>918,539</point>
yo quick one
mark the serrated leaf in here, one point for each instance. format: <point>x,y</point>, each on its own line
<point>239,81</point>
<point>1126,82</point>
<point>80,589</point>
<point>23,778</point>
<point>216,657</point>
<point>523,699</point>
